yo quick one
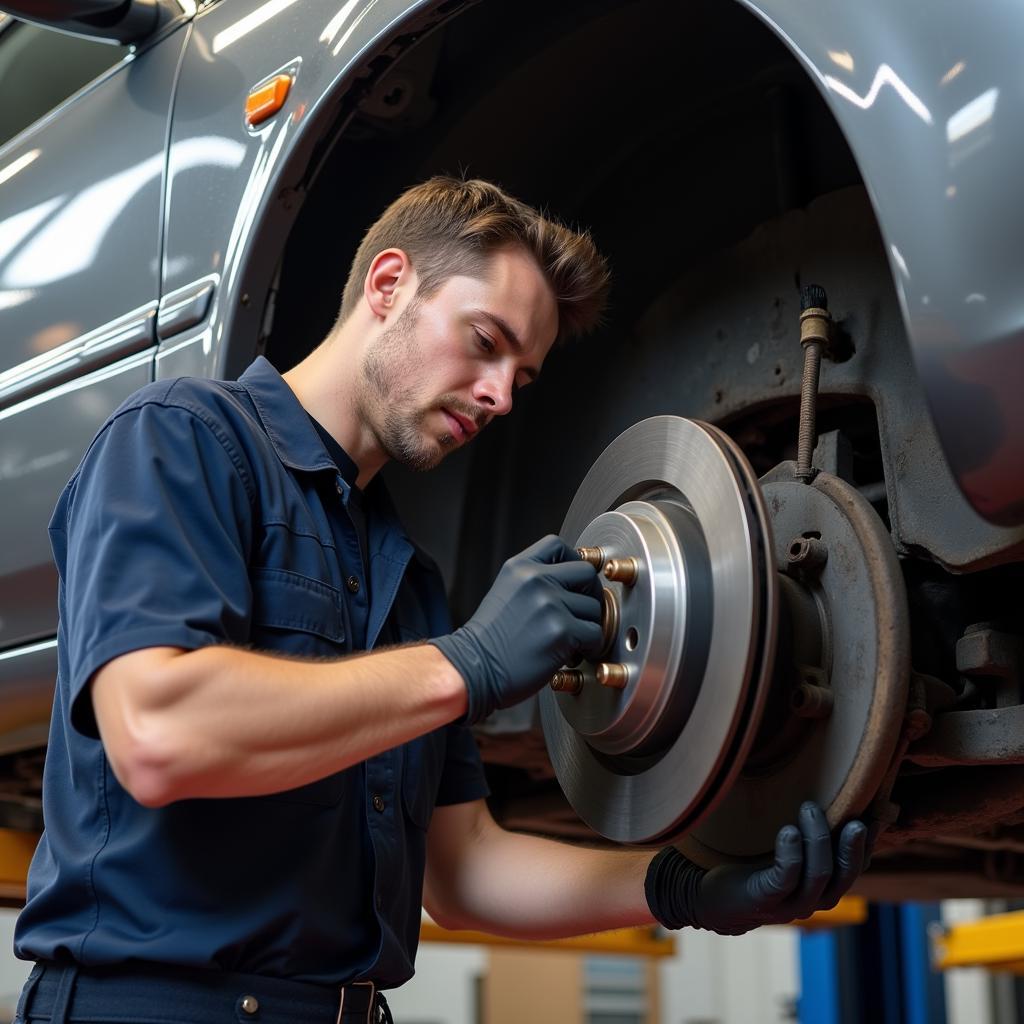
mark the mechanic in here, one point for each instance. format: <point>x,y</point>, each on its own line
<point>244,809</point>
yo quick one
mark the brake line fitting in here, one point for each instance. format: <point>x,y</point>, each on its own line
<point>806,554</point>
<point>815,322</point>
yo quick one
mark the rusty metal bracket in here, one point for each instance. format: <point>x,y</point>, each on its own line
<point>985,736</point>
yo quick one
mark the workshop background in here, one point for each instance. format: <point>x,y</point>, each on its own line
<point>812,976</point>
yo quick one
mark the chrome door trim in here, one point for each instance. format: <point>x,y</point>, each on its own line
<point>116,339</point>
<point>185,307</point>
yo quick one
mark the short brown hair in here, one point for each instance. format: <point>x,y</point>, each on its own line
<point>449,227</point>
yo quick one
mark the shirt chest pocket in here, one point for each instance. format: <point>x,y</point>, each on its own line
<point>297,615</point>
<point>294,613</point>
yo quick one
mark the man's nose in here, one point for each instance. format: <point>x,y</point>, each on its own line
<point>495,395</point>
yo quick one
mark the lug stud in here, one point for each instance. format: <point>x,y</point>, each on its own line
<point>622,570</point>
<point>613,675</point>
<point>595,556</point>
<point>567,680</point>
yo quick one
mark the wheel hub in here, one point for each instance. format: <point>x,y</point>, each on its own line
<point>664,627</point>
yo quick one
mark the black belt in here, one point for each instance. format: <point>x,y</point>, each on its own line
<point>158,994</point>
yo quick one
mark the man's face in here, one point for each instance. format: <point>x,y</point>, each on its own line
<point>451,363</point>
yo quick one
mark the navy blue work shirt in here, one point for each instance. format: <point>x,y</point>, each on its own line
<point>209,512</point>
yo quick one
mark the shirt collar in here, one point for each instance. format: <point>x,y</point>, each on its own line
<point>346,466</point>
<point>285,420</point>
<point>298,445</point>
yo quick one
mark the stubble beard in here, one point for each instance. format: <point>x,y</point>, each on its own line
<point>390,406</point>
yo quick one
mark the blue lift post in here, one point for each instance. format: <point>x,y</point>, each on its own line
<point>879,971</point>
<point>924,995</point>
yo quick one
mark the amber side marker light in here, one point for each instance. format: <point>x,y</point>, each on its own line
<point>266,100</point>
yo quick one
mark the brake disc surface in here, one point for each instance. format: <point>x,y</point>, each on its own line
<point>695,632</point>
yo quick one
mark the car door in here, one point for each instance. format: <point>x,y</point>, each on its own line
<point>82,160</point>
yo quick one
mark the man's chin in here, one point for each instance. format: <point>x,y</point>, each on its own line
<point>425,456</point>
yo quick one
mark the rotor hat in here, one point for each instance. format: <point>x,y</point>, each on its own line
<point>662,614</point>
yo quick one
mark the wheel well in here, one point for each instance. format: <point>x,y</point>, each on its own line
<point>669,130</point>
<point>666,129</point>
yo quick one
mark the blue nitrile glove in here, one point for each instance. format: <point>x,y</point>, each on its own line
<point>732,899</point>
<point>542,612</point>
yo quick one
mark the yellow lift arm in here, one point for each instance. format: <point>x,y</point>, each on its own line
<point>995,942</point>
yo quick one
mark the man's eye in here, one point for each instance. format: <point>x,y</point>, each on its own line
<point>485,343</point>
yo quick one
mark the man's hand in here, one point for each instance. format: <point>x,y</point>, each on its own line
<point>543,611</point>
<point>733,899</point>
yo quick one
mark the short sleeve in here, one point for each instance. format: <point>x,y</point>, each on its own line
<point>155,530</point>
<point>462,777</point>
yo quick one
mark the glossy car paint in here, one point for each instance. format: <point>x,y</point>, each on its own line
<point>242,183</point>
<point>79,283</point>
<point>929,97</point>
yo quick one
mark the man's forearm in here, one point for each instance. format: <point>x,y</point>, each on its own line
<point>220,722</point>
<point>525,887</point>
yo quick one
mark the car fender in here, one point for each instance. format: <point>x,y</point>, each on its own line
<point>234,191</point>
<point>929,99</point>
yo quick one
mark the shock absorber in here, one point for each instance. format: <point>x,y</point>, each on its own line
<point>814,337</point>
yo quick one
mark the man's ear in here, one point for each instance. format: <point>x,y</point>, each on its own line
<point>389,272</point>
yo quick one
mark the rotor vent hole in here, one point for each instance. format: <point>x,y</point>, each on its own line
<point>632,638</point>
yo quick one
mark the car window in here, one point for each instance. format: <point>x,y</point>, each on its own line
<point>40,68</point>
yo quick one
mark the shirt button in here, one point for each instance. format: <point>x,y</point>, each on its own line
<point>378,803</point>
<point>338,487</point>
<point>250,1004</point>
<point>353,584</point>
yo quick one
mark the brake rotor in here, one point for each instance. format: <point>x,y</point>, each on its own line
<point>694,642</point>
<point>754,657</point>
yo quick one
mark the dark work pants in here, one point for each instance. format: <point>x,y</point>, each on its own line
<point>152,994</point>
